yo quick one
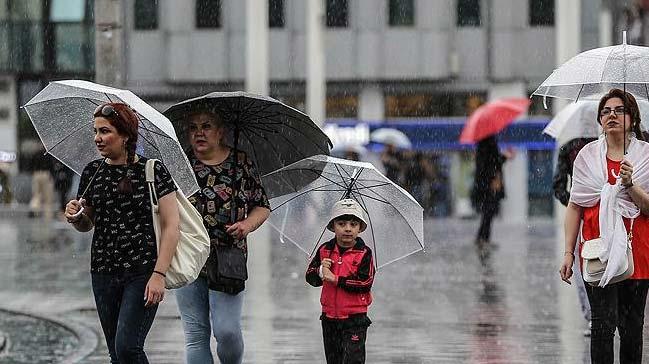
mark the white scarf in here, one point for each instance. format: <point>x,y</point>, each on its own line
<point>590,185</point>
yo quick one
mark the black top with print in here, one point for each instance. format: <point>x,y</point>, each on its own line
<point>214,201</point>
<point>124,239</point>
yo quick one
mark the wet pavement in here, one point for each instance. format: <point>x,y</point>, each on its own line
<point>449,304</point>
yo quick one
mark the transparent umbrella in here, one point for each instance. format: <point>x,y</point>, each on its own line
<point>395,219</point>
<point>592,73</point>
<point>391,136</point>
<point>579,120</point>
<point>62,116</point>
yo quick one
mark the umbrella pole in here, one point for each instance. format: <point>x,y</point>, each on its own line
<point>235,187</point>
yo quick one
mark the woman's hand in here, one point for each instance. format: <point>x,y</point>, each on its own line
<point>73,209</point>
<point>626,173</point>
<point>155,290</point>
<point>240,229</point>
<point>566,267</point>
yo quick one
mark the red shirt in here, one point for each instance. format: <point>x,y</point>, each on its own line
<point>640,242</point>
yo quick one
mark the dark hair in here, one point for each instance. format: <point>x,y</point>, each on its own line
<point>630,104</point>
<point>126,121</point>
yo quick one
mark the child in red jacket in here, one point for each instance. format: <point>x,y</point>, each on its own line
<point>344,268</point>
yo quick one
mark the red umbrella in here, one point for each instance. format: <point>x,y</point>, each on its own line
<point>491,118</point>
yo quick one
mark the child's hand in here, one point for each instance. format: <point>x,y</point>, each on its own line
<point>327,276</point>
<point>326,263</point>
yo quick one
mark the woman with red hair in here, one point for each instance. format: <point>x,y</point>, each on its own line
<point>127,269</point>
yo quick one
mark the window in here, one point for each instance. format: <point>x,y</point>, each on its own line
<point>342,106</point>
<point>468,13</point>
<point>208,13</point>
<point>541,13</point>
<point>432,105</point>
<point>26,10</point>
<point>401,12</point>
<point>146,14</point>
<point>67,10</point>
<point>276,13</point>
<point>337,13</point>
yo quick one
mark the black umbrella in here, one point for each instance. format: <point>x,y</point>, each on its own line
<point>271,133</point>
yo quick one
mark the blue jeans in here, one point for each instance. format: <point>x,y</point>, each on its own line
<point>124,319</point>
<point>197,304</point>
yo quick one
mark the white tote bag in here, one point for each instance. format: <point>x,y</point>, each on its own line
<point>194,242</point>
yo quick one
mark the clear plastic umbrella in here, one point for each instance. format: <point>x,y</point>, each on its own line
<point>391,136</point>
<point>592,73</point>
<point>62,116</point>
<point>579,120</point>
<point>395,219</point>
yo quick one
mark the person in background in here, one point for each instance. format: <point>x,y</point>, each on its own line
<point>391,159</point>
<point>488,186</point>
<point>42,201</point>
<point>561,186</point>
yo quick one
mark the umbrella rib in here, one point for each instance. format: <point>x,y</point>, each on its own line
<point>286,140</point>
<point>318,241</point>
<point>369,218</point>
<point>256,126</point>
<point>404,218</point>
<point>302,193</point>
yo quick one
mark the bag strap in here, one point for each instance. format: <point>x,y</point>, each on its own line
<point>630,233</point>
<point>150,178</point>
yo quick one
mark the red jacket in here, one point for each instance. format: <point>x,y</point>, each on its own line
<point>354,271</point>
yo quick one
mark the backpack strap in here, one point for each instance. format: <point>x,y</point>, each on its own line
<point>150,178</point>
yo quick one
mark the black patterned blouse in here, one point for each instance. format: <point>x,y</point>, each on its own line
<point>124,239</point>
<point>214,201</point>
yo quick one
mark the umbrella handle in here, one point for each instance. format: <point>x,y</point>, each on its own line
<point>78,213</point>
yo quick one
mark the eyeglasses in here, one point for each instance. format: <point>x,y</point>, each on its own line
<point>105,111</point>
<point>618,111</point>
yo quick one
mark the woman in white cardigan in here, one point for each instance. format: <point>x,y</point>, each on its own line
<point>608,195</point>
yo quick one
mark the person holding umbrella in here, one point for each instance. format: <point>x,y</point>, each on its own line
<point>127,270</point>
<point>212,304</point>
<point>608,195</point>
<point>488,186</point>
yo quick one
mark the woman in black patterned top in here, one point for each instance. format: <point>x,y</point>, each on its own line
<point>216,297</point>
<point>127,269</point>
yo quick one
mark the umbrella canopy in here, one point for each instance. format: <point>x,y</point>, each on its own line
<point>391,136</point>
<point>394,218</point>
<point>577,120</point>
<point>271,133</point>
<point>592,73</point>
<point>491,118</point>
<point>62,114</point>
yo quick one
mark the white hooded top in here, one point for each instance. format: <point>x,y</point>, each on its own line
<point>590,185</point>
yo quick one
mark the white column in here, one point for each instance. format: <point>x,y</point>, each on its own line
<point>315,61</point>
<point>109,40</point>
<point>257,47</point>
<point>568,44</point>
<point>371,104</point>
<point>258,301</point>
<point>605,26</point>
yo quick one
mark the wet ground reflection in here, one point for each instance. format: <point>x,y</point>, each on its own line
<point>33,340</point>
